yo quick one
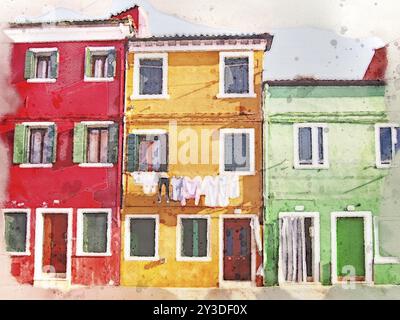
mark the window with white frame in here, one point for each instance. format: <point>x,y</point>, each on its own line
<point>236,74</point>
<point>237,151</point>
<point>150,75</point>
<point>147,151</point>
<point>100,63</point>
<point>310,146</point>
<point>193,238</point>
<point>35,144</point>
<point>141,237</point>
<point>387,144</point>
<point>94,232</point>
<point>386,230</point>
<point>41,64</point>
<point>96,143</point>
<point>16,231</point>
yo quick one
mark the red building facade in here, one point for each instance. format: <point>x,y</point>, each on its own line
<point>62,214</point>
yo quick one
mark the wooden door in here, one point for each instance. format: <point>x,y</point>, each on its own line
<point>237,249</point>
<point>55,238</point>
<point>350,248</point>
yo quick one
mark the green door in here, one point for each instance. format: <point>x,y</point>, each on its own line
<point>350,247</point>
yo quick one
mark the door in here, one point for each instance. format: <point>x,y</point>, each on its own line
<point>237,249</point>
<point>55,236</point>
<point>350,248</point>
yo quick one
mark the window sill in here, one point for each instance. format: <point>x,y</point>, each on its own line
<point>92,79</point>
<point>383,166</point>
<point>237,173</point>
<point>163,96</point>
<point>41,80</point>
<point>236,95</point>
<point>310,166</point>
<point>386,260</point>
<point>190,259</point>
<point>93,254</point>
<point>39,165</point>
<point>96,165</point>
<point>19,254</point>
<point>142,258</point>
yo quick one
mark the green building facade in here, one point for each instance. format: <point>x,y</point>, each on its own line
<point>324,177</point>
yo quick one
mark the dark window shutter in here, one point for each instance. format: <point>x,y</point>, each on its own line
<point>15,231</point>
<point>142,237</point>
<point>54,58</point>
<point>385,138</point>
<point>132,145</point>
<point>95,232</point>
<point>113,143</point>
<point>305,145</point>
<point>164,152</point>
<point>88,63</point>
<point>228,152</point>
<point>80,143</point>
<point>111,63</point>
<point>50,144</point>
<point>20,142</point>
<point>29,65</point>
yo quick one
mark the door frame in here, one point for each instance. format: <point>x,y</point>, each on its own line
<point>316,247</point>
<point>40,212</point>
<point>368,245</point>
<point>236,283</point>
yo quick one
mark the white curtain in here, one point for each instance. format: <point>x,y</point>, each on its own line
<point>293,249</point>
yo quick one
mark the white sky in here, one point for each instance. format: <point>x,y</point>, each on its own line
<point>311,36</point>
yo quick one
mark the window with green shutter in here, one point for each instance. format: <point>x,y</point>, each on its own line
<point>95,232</point>
<point>96,143</point>
<point>142,237</point>
<point>194,242</point>
<point>100,63</point>
<point>16,228</point>
<point>35,144</point>
<point>41,64</point>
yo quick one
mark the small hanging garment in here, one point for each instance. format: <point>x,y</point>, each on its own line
<point>209,188</point>
<point>191,190</point>
<point>148,180</point>
<point>177,188</point>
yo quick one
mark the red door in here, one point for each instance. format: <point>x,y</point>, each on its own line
<point>55,243</point>
<point>237,249</point>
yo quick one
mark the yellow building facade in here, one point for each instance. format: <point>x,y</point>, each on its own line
<point>193,106</point>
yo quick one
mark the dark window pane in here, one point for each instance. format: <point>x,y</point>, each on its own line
<point>36,146</point>
<point>142,237</point>
<point>153,153</point>
<point>99,66</point>
<point>15,231</point>
<point>320,145</point>
<point>95,232</point>
<point>305,146</point>
<point>43,67</point>
<point>385,136</point>
<point>194,238</point>
<point>151,74</point>
<point>237,152</point>
<point>236,75</point>
<point>397,145</point>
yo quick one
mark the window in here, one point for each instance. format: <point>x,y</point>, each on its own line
<point>386,230</point>
<point>147,151</point>
<point>16,231</point>
<point>236,74</point>
<point>100,63</point>
<point>237,151</point>
<point>193,238</point>
<point>141,237</point>
<point>94,232</point>
<point>96,143</point>
<point>35,144</point>
<point>310,143</point>
<point>387,144</point>
<point>41,65</point>
<point>150,75</point>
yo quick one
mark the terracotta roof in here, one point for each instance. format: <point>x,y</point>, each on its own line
<point>265,36</point>
<point>317,82</point>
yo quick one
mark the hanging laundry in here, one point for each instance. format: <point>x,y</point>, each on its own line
<point>223,191</point>
<point>191,190</point>
<point>149,181</point>
<point>255,226</point>
<point>233,186</point>
<point>163,181</point>
<point>177,188</point>
<point>209,188</point>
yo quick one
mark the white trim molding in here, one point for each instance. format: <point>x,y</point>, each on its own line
<point>40,212</point>
<point>316,245</point>
<point>368,246</point>
<point>136,76</point>
<point>378,259</point>
<point>63,34</point>
<point>79,232</point>
<point>40,52</point>
<point>127,240</point>
<point>232,283</point>
<point>27,251</point>
<point>250,132</point>
<point>179,230</point>
<point>314,145</point>
<point>243,54</point>
<point>378,161</point>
